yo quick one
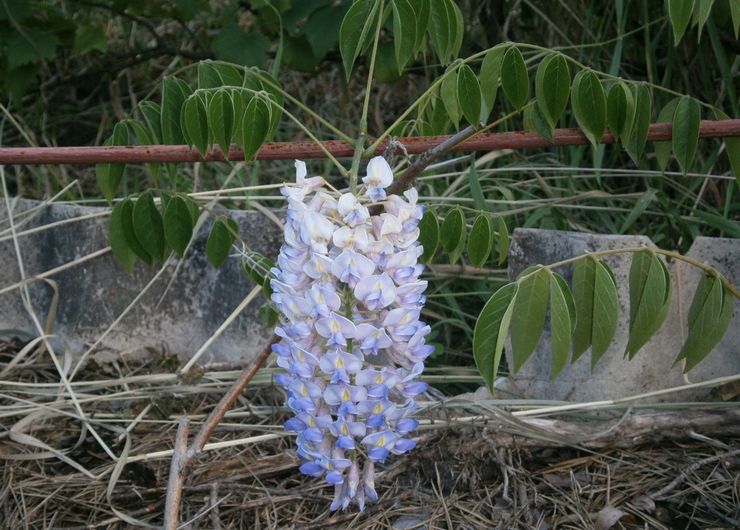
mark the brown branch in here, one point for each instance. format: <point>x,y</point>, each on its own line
<point>185,455</point>
<point>177,476</point>
<point>428,157</point>
<point>136,154</point>
<point>217,414</point>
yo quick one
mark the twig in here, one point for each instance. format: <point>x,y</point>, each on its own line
<point>134,154</point>
<point>662,492</point>
<point>421,163</point>
<point>177,476</point>
<point>184,455</point>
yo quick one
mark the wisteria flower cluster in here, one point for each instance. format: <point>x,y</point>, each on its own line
<point>347,284</point>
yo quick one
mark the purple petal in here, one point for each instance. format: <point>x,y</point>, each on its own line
<point>311,468</point>
<point>334,477</point>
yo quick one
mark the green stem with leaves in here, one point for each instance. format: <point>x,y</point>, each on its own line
<point>667,253</point>
<point>360,143</point>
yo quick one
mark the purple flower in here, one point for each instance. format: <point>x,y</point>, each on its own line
<point>347,284</point>
<point>372,338</point>
<point>376,292</point>
<point>336,329</point>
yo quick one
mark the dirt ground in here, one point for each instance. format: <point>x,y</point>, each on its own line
<point>468,471</point>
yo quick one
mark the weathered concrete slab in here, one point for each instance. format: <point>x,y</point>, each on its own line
<point>93,294</point>
<point>614,376</point>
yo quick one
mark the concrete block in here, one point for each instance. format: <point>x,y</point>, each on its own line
<point>615,377</point>
<point>176,319</point>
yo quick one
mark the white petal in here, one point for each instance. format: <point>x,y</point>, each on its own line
<point>379,173</point>
<point>300,172</point>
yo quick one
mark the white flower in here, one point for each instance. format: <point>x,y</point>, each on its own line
<point>379,176</point>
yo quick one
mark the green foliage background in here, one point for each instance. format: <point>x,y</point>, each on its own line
<point>71,71</point>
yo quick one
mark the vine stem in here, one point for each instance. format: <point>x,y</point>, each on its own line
<point>360,143</point>
<point>667,253</point>
<point>185,455</point>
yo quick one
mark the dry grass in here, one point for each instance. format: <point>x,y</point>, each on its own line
<point>456,478</point>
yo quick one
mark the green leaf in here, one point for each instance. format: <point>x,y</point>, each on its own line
<point>552,87</point>
<point>490,332</point>
<point>148,226</point>
<point>605,311</point>
<point>219,243</point>
<point>144,137</point>
<point>89,38</point>
<point>445,29</point>
<point>503,240</point>
<point>571,304</point>
<point>212,75</point>
<point>153,118</point>
<point>452,234</point>
<point>129,234</point>
<point>584,273</point>
<point>255,127</point>
<point>686,122</point>
<point>208,76</point>
<point>650,287</point>
<point>589,105</point>
<point>269,316</point>
<point>120,248</point>
<point>679,13</point>
<point>423,10</point>
<point>703,290</point>
<point>475,189</point>
<point>480,242</point>
<point>637,137</point>
<point>195,123</point>
<point>221,119</point>
<point>354,30</point>
<point>109,176</point>
<point>31,45</point>
<point>702,10</point>
<point>620,110</point>
<point>663,149</point>
<point>233,228</point>
<point>639,209</point>
<point>237,99</point>
<point>458,27</point>
<point>194,210</point>
<point>534,120</point>
<point>468,95</point>
<point>529,313</point>
<point>490,75</point>
<point>257,267</point>
<point>429,235</point>
<point>709,317</point>
<point>735,13</point>
<point>514,77</point>
<point>562,319</point>
<point>275,101</point>
<point>173,99</point>
<point>728,226</point>
<point>404,32</point>
<point>732,144</point>
<point>178,224</point>
<point>234,45</point>
<point>448,93</point>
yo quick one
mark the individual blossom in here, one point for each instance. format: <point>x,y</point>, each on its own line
<point>351,342</point>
